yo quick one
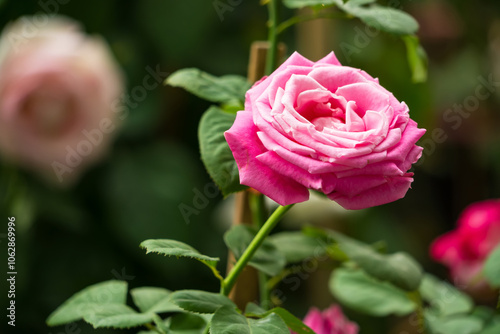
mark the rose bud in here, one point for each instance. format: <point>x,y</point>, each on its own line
<point>326,127</point>
<point>59,97</point>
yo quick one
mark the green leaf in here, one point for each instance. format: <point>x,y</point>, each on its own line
<point>444,298</point>
<point>297,247</point>
<point>463,324</point>
<point>153,300</point>
<point>118,316</point>
<point>308,3</point>
<point>383,18</point>
<point>417,58</point>
<point>357,290</point>
<point>399,269</point>
<point>294,323</point>
<point>493,328</point>
<point>186,323</point>
<point>225,89</point>
<point>162,326</point>
<point>252,308</point>
<point>200,301</point>
<point>359,2</point>
<point>215,152</point>
<point>484,313</point>
<point>176,248</point>
<point>227,321</point>
<point>387,19</point>
<point>491,269</point>
<point>266,259</point>
<point>88,301</point>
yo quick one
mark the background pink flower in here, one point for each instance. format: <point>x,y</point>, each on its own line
<point>465,249</point>
<point>326,127</point>
<point>330,321</point>
<point>59,92</point>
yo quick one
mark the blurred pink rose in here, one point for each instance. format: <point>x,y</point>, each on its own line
<point>326,127</point>
<point>465,249</point>
<point>330,321</point>
<point>59,97</point>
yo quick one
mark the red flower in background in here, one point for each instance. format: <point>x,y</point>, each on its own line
<point>330,321</point>
<point>465,249</point>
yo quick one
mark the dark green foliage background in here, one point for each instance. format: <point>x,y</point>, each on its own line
<point>69,239</point>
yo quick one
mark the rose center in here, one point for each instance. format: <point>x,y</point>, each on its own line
<point>48,113</point>
<point>323,111</point>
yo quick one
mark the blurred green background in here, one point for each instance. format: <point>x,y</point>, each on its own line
<point>69,239</point>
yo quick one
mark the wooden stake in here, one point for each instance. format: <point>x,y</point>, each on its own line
<point>246,288</point>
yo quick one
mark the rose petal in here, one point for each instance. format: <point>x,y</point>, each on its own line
<point>444,249</point>
<point>311,165</point>
<point>367,95</point>
<point>321,182</point>
<point>329,59</point>
<point>385,168</point>
<point>390,191</point>
<point>333,77</point>
<point>245,145</point>
<point>392,139</point>
<point>272,133</point>
<point>409,137</point>
<point>283,73</point>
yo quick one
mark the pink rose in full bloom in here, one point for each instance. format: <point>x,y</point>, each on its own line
<point>326,127</point>
<point>59,97</point>
<point>330,321</point>
<point>465,249</point>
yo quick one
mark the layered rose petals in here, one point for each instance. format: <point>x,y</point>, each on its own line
<point>325,127</point>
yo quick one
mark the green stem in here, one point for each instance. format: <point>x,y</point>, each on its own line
<point>298,19</point>
<point>417,299</point>
<point>259,215</point>
<point>153,328</point>
<point>272,37</point>
<point>258,208</point>
<point>252,248</point>
<point>264,292</point>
